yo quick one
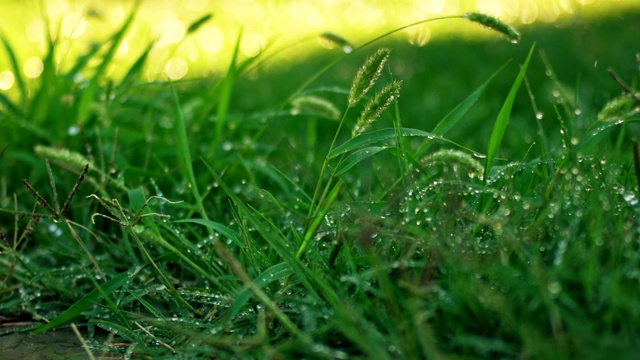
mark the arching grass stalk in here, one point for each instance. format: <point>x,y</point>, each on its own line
<point>482,19</point>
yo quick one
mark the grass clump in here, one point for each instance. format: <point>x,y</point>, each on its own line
<point>199,230</point>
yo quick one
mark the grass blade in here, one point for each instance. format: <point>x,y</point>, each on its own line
<point>87,301</point>
<point>185,153</point>
<point>502,120</point>
<point>17,71</point>
<point>270,275</point>
<point>357,156</point>
<point>88,96</point>
<point>373,137</point>
<point>454,116</point>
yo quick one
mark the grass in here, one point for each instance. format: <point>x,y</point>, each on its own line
<point>260,219</point>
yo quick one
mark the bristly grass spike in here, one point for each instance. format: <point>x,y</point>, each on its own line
<point>367,75</point>
<point>496,24</point>
<point>376,106</point>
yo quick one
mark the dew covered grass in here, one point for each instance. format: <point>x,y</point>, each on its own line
<point>466,199</point>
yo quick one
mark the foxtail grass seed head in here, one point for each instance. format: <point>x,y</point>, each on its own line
<point>63,157</point>
<point>367,75</point>
<point>314,105</point>
<point>376,106</point>
<point>333,40</point>
<point>494,24</point>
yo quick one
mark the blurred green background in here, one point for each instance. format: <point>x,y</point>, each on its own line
<point>265,25</point>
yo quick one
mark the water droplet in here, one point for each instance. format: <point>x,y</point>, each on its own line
<point>554,288</point>
<point>138,229</point>
<point>539,115</point>
<point>73,130</point>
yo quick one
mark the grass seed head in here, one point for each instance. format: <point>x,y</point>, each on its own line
<point>494,24</point>
<point>376,106</point>
<point>367,75</point>
<point>332,40</point>
<point>316,106</point>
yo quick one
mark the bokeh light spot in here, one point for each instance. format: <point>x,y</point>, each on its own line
<point>170,31</point>
<point>73,25</point>
<point>176,68</point>
<point>33,67</point>
<point>6,80</point>
<point>210,39</point>
<point>36,30</point>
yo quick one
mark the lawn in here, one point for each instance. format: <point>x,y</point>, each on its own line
<point>471,198</point>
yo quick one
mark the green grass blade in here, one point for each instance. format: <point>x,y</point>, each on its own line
<point>226,92</point>
<point>356,157</point>
<point>9,105</point>
<point>270,233</point>
<point>371,137</point>
<point>502,120</point>
<point>455,115</point>
<point>15,67</point>
<point>40,103</point>
<point>88,96</point>
<point>217,227</point>
<point>87,301</point>
<point>270,275</point>
<point>194,26</point>
<point>107,299</point>
<point>134,74</point>
<point>185,153</point>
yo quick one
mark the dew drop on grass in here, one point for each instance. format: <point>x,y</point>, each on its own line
<point>226,146</point>
<point>138,229</point>
<point>554,288</point>
<point>73,130</point>
<point>539,115</point>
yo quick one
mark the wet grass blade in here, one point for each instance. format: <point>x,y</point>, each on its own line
<point>502,120</point>
<point>86,302</point>
<point>371,137</point>
<point>268,276</point>
<point>107,299</point>
<point>356,157</point>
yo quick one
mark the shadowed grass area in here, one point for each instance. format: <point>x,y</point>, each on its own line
<point>354,217</point>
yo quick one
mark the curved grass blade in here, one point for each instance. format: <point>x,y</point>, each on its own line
<point>198,23</point>
<point>357,156</point>
<point>502,120</point>
<point>337,41</point>
<point>270,275</point>
<point>373,137</point>
<point>217,227</point>
<point>87,301</point>
<point>17,71</point>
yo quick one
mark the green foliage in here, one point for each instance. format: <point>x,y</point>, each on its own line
<point>198,228</point>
